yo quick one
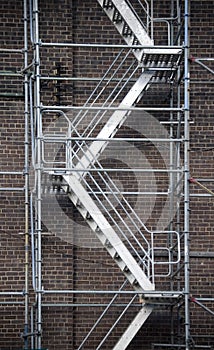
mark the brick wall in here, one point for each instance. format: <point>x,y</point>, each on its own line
<point>69,258</point>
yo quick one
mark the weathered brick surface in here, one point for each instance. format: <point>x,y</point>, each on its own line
<point>69,258</point>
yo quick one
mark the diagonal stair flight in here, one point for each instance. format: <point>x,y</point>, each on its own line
<point>134,32</point>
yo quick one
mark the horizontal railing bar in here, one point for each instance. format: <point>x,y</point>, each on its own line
<point>65,170</point>
<point>200,195</point>
<point>180,346</point>
<point>204,59</point>
<point>11,293</point>
<point>116,108</point>
<point>57,138</point>
<point>133,193</point>
<point>94,45</point>
<point>152,292</point>
<point>2,50</point>
<point>159,68</point>
<point>10,74</point>
<point>84,305</point>
<point>205,180</point>
<point>11,188</point>
<point>11,172</point>
<point>92,79</point>
<point>12,303</point>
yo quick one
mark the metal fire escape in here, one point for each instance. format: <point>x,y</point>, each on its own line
<point>67,158</point>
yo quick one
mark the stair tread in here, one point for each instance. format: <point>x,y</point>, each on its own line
<point>131,26</point>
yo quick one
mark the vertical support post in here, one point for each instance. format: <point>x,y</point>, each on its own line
<point>26,174</point>
<point>39,172</point>
<point>171,210</point>
<point>186,172</point>
<point>152,20</point>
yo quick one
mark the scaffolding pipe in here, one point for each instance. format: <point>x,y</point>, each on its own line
<point>195,300</point>
<point>53,44</point>
<point>10,74</point>
<point>32,124</point>
<point>179,346</point>
<point>56,138</point>
<point>149,292</point>
<point>116,108</point>
<point>11,294</point>
<point>204,65</point>
<point>186,173</point>
<point>31,21</point>
<point>61,171</point>
<point>11,50</point>
<point>11,172</point>
<point>32,244</point>
<point>12,189</point>
<point>34,26</point>
<point>39,172</point>
<point>85,305</point>
<point>95,78</point>
<point>12,303</point>
<point>26,175</point>
<point>194,181</point>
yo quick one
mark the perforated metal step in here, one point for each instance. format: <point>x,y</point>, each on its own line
<point>127,24</point>
<point>163,63</point>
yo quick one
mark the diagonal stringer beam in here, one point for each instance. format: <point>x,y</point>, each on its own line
<point>114,123</point>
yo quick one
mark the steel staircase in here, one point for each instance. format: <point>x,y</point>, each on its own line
<point>127,23</point>
<point>154,64</point>
<point>113,124</point>
<point>157,64</point>
<point>115,247</point>
<point>106,234</point>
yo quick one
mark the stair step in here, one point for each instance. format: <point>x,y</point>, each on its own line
<point>133,281</point>
<point>135,42</point>
<point>162,57</point>
<point>85,214</point>
<point>160,298</point>
<point>75,200</point>
<point>107,4</point>
<point>117,17</point>
<point>119,12</point>
<point>108,245</point>
<point>126,30</point>
<point>121,264</point>
<point>126,269</point>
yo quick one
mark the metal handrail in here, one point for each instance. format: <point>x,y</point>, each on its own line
<point>146,10</point>
<point>120,218</point>
<point>101,316</point>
